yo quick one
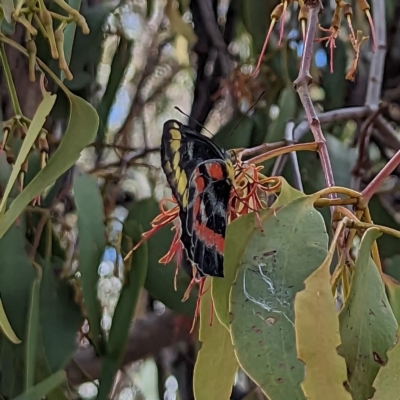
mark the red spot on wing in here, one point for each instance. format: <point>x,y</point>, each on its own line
<point>215,171</point>
<point>209,237</point>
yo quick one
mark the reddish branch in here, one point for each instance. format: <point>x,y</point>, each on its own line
<point>301,85</point>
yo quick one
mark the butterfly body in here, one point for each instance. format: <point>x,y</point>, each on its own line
<point>200,175</point>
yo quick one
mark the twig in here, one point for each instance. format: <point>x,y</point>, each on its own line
<point>378,58</point>
<point>301,85</point>
<point>376,183</point>
<point>390,137</point>
<point>343,114</point>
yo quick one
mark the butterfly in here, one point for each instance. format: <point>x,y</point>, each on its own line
<point>201,177</point>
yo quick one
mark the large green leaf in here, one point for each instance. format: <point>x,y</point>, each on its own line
<point>216,356</point>
<point>81,130</point>
<point>135,275</point>
<point>315,312</point>
<point>160,278</point>
<point>237,235</point>
<point>92,242</point>
<point>277,260</point>
<point>367,324</point>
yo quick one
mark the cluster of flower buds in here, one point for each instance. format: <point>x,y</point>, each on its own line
<point>35,16</point>
<point>343,9</point>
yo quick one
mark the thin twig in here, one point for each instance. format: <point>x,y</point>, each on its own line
<point>343,114</point>
<point>301,85</point>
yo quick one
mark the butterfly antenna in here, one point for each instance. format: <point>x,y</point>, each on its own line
<point>192,119</point>
<point>247,113</point>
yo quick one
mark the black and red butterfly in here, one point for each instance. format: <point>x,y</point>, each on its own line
<point>201,176</point>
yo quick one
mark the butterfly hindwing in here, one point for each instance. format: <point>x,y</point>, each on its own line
<point>209,190</point>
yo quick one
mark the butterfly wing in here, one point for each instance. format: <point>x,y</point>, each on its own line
<point>209,191</point>
<point>182,150</point>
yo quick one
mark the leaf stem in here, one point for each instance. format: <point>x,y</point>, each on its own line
<point>10,82</point>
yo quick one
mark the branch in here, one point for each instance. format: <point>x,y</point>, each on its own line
<point>343,114</point>
<point>378,59</point>
<point>148,336</point>
<point>301,85</point>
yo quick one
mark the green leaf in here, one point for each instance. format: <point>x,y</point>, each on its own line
<point>44,387</point>
<point>34,129</point>
<point>160,278</point>
<point>315,312</point>
<point>236,238</point>
<point>386,383</point>
<point>237,235</point>
<point>393,294</point>
<point>16,277</point>
<point>135,275</point>
<point>32,335</point>
<point>6,327</point>
<point>8,9</point>
<point>60,315</point>
<point>216,356</point>
<point>69,34</point>
<point>92,242</point>
<point>119,64</point>
<point>367,324</point>
<point>286,195</point>
<point>81,130</point>
<point>277,260</point>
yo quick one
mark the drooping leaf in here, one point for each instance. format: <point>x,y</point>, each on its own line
<point>81,130</point>
<point>92,242</point>
<point>367,324</point>
<point>216,357</point>
<point>386,383</point>
<point>119,64</point>
<point>44,387</point>
<point>277,260</point>
<point>135,275</point>
<point>315,313</point>
<point>34,129</point>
